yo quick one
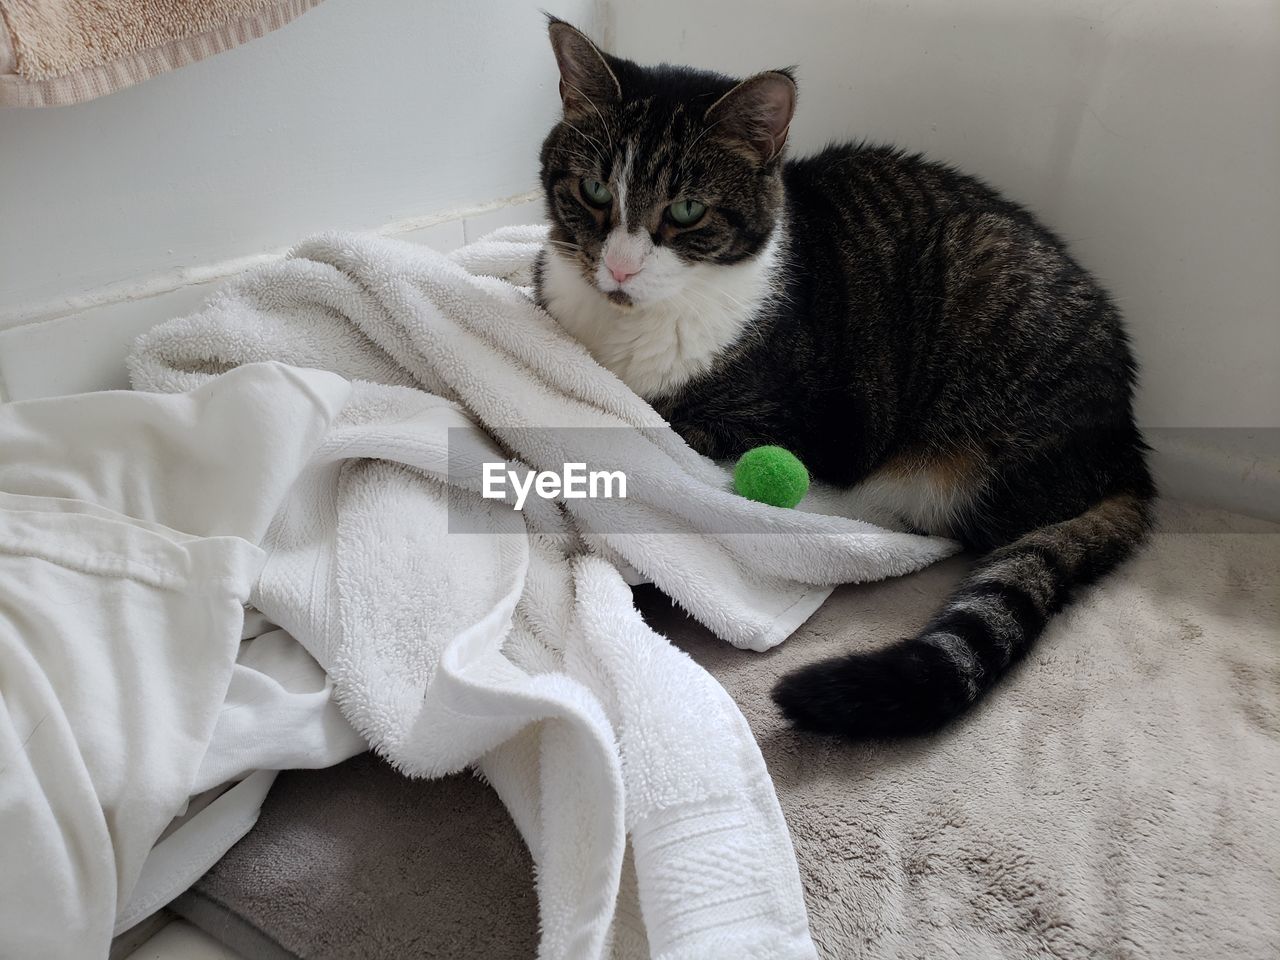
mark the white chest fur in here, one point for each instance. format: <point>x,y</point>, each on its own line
<point>656,347</point>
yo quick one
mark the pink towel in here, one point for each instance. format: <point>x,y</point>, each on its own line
<point>59,52</point>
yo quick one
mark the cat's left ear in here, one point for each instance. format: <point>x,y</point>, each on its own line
<point>759,110</point>
<point>586,79</point>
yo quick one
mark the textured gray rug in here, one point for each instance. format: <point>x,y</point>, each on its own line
<point>1118,796</point>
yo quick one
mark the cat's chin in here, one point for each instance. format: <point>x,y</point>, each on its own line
<point>630,303</point>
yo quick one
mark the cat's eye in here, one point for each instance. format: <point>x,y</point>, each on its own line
<point>686,213</point>
<point>597,193</point>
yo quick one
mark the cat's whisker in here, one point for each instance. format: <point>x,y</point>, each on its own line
<point>591,164</point>
<point>596,145</point>
<point>721,297</point>
<point>603,125</point>
<point>569,247</point>
<point>704,133</point>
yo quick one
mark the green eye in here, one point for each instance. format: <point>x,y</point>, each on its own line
<point>597,193</point>
<point>686,213</point>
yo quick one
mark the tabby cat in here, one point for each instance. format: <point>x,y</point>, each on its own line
<point>898,325</point>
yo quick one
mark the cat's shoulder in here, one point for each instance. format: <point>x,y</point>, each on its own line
<point>857,167</point>
<point>862,154</point>
<point>868,159</point>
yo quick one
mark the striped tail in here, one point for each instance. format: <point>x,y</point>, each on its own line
<point>917,685</point>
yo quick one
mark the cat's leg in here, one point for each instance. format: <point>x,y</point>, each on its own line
<point>855,502</point>
<point>927,493</point>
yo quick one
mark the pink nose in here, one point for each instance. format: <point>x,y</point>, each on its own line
<point>621,272</point>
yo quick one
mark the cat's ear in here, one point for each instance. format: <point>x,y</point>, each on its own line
<point>759,111</point>
<point>586,81</point>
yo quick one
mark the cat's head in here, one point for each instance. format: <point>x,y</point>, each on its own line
<point>656,173</point>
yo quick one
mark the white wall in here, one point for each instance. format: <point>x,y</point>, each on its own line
<point>1146,132</point>
<point>354,115</point>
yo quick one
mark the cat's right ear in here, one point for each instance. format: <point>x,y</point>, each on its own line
<point>586,81</point>
<point>759,111</point>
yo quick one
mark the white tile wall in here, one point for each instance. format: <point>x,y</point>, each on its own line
<point>439,236</point>
<point>477,226</point>
<point>85,351</point>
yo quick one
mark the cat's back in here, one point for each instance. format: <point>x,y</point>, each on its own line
<point>878,222</point>
<point>878,188</point>
<point>863,221</point>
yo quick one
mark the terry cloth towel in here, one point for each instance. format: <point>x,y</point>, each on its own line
<point>129,525</point>
<point>517,648</point>
<point>59,52</point>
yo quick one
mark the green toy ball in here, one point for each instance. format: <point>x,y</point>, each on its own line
<point>771,475</point>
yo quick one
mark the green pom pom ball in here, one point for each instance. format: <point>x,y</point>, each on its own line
<point>771,475</point>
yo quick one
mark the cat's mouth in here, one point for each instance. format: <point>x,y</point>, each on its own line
<point>619,298</point>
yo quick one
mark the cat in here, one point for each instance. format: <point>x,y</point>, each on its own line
<point>901,327</point>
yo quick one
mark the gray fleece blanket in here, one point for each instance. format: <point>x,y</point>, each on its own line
<point>1117,797</point>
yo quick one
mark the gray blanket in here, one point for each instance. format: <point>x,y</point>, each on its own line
<point>1118,796</point>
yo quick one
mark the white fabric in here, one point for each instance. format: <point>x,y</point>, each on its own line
<point>278,714</point>
<point>184,855</point>
<point>512,648</point>
<point>128,532</point>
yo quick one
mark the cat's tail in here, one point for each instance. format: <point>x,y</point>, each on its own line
<point>916,685</point>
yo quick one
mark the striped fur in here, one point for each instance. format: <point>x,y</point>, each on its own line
<point>907,332</point>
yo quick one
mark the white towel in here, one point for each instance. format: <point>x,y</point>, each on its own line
<point>389,312</point>
<point>513,648</point>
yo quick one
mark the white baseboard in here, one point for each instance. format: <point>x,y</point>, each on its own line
<point>79,344</point>
<point>1234,468</point>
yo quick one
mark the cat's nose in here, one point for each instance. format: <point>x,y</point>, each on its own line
<point>622,275</point>
<point>621,270</point>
